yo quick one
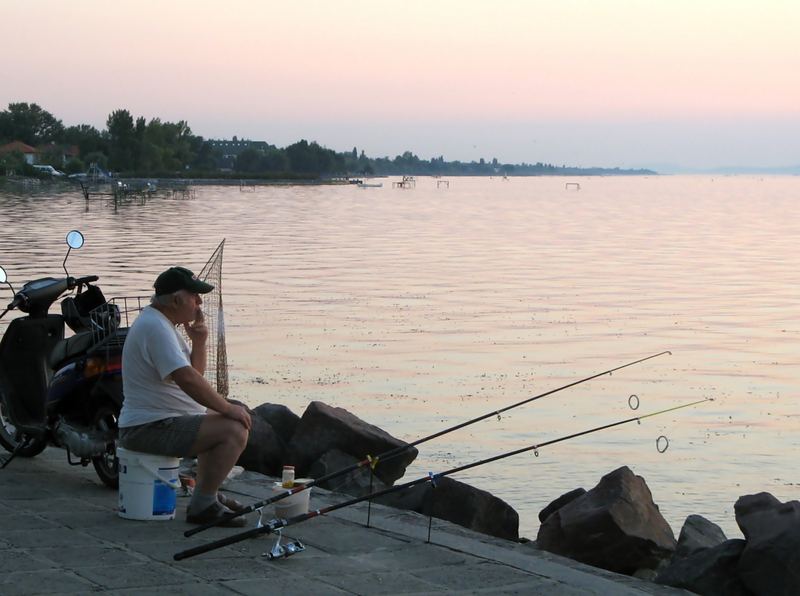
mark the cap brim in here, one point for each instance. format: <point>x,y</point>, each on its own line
<point>200,287</point>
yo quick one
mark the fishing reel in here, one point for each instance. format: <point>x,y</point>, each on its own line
<point>279,551</point>
<point>285,550</point>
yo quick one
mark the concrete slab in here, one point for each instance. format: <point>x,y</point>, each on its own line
<point>190,589</point>
<point>22,560</point>
<point>483,573</point>
<point>57,536</point>
<point>14,521</point>
<point>383,582</point>
<point>57,503</point>
<point>60,534</point>
<point>230,569</point>
<point>285,586</point>
<point>136,575</point>
<point>56,581</point>
<point>419,556</point>
<point>87,556</point>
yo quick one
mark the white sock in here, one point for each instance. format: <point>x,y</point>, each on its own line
<point>200,502</point>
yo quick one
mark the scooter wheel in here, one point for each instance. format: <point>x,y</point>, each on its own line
<point>107,466</point>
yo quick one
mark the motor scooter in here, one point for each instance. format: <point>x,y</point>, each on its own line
<point>57,390</point>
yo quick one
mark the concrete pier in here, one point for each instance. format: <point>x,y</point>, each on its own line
<point>60,534</point>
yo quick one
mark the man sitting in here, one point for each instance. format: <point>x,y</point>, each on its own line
<point>169,407</point>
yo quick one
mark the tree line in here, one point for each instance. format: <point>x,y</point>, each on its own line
<point>137,147</point>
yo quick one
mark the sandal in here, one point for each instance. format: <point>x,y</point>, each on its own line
<point>217,513</point>
<point>231,503</point>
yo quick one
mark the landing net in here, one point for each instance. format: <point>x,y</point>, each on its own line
<point>121,312</point>
<point>217,355</point>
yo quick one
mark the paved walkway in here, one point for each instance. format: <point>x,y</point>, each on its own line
<point>60,534</point>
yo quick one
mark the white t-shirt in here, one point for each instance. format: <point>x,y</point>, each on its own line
<point>153,351</point>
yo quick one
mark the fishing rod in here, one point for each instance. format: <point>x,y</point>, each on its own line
<point>373,461</point>
<point>277,524</point>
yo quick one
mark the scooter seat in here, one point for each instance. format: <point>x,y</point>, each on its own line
<point>69,348</point>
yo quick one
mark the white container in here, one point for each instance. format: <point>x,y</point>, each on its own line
<point>296,504</point>
<point>147,485</point>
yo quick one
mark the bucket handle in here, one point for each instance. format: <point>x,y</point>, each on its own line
<point>155,473</point>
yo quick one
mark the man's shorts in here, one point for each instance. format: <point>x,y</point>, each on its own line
<point>173,437</point>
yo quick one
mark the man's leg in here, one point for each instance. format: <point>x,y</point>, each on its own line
<point>219,443</point>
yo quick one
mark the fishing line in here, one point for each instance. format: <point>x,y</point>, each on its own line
<point>374,460</point>
<point>276,524</point>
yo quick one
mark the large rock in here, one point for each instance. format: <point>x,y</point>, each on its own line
<point>280,418</point>
<point>412,498</point>
<point>762,516</point>
<point>264,452</point>
<point>471,507</point>
<point>560,502</point>
<point>459,503</point>
<point>709,571</point>
<point>770,563</point>
<point>697,534</point>
<point>356,482</point>
<point>323,428</point>
<point>451,500</point>
<point>615,526</point>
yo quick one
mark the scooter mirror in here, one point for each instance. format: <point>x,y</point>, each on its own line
<point>75,239</point>
<point>3,277</point>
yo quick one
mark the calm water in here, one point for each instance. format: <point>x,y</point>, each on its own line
<point>417,309</point>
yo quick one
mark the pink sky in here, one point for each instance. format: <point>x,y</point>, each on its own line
<point>613,83</point>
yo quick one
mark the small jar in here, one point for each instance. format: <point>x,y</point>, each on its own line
<point>287,479</point>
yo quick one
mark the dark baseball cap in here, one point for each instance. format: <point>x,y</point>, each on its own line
<point>180,278</point>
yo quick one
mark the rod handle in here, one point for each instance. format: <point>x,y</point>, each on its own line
<point>204,548</point>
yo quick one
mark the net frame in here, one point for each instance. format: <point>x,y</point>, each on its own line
<point>120,312</point>
<point>216,371</point>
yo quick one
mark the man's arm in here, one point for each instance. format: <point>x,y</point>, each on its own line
<point>198,388</point>
<point>198,334</point>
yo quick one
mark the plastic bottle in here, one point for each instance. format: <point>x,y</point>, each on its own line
<point>287,479</point>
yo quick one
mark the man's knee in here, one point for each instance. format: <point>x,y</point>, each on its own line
<point>242,435</point>
<point>217,431</point>
<point>235,434</point>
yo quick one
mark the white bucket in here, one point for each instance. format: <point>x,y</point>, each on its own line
<point>147,485</point>
<point>296,504</point>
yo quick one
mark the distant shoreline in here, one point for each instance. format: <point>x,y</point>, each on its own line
<point>137,181</point>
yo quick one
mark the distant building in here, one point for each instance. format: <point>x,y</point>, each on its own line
<point>30,153</point>
<point>58,153</point>
<point>228,151</point>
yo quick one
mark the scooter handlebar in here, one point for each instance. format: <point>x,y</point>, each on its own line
<point>18,299</point>
<point>41,293</point>
<point>84,280</point>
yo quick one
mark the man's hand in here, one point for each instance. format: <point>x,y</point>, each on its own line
<point>197,329</point>
<point>240,414</point>
<point>198,388</point>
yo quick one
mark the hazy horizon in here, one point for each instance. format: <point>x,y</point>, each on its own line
<point>669,86</point>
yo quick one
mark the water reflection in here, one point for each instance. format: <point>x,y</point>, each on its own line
<point>417,309</point>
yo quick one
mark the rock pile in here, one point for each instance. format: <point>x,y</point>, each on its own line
<point>327,439</point>
<point>766,562</point>
<point>616,526</point>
